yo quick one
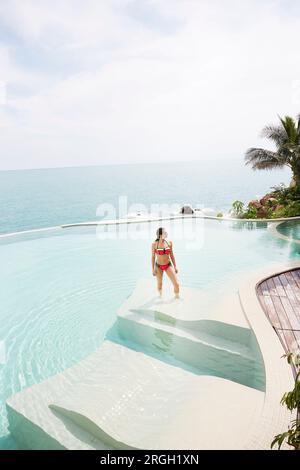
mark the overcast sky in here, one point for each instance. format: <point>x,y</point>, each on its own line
<point>116,81</point>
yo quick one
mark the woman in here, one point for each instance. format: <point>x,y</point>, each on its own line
<point>163,250</point>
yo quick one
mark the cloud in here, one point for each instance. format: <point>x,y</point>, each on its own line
<point>122,81</point>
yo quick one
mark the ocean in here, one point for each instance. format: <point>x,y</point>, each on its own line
<point>31,199</point>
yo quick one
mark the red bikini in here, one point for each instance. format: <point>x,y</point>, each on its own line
<point>163,251</point>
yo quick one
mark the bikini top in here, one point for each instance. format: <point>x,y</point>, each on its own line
<point>163,251</point>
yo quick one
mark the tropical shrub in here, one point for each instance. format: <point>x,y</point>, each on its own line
<point>237,208</point>
<point>251,213</point>
<point>281,202</point>
<point>292,401</point>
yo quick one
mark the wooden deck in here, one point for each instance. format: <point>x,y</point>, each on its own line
<point>280,298</point>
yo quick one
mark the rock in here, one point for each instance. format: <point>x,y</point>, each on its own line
<point>266,198</point>
<point>292,183</point>
<point>272,200</point>
<point>187,209</point>
<point>255,203</point>
<point>262,212</point>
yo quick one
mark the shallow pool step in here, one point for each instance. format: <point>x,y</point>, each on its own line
<point>206,353</point>
<point>209,346</point>
<point>118,398</point>
<point>144,297</point>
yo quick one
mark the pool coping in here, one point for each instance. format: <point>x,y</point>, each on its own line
<point>134,221</point>
<point>272,228</point>
<point>174,217</point>
<point>275,418</point>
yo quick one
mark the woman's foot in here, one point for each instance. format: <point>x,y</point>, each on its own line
<point>177,295</point>
<point>160,293</point>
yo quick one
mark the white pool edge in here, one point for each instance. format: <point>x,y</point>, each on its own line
<point>135,221</point>
<point>175,217</point>
<point>273,229</point>
<point>275,418</point>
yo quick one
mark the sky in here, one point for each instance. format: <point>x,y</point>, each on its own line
<point>134,81</point>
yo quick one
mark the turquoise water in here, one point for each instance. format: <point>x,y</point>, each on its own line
<point>43,198</point>
<point>59,290</point>
<point>290,228</point>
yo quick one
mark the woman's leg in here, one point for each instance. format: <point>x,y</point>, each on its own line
<point>172,275</point>
<point>159,278</point>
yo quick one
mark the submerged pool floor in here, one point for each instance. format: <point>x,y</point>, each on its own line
<point>60,290</point>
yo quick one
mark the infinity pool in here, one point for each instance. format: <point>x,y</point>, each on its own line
<point>290,228</point>
<point>60,289</point>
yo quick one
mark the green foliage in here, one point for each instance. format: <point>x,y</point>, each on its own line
<point>284,194</point>
<point>219,214</point>
<point>237,207</point>
<point>286,138</point>
<point>278,214</point>
<point>251,213</point>
<point>283,202</point>
<point>292,210</point>
<point>279,188</point>
<point>292,437</point>
<point>291,400</point>
<point>270,212</point>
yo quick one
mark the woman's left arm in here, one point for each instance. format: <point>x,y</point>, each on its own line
<point>173,257</point>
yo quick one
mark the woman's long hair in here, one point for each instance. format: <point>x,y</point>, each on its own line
<point>159,232</point>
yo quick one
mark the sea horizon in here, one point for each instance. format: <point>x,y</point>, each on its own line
<point>105,163</point>
<point>46,197</point>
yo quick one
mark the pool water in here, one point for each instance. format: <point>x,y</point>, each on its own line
<point>60,289</point>
<point>290,228</point>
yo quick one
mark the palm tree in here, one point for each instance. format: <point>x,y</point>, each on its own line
<point>286,137</point>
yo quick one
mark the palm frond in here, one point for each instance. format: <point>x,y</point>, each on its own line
<point>262,159</point>
<point>275,133</point>
<point>290,128</point>
<point>298,126</point>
